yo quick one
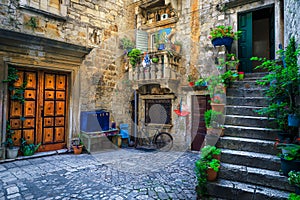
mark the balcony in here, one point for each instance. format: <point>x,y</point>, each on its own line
<point>165,72</point>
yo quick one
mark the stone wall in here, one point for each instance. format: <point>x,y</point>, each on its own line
<point>87,22</point>
<point>292,24</point>
<point>291,20</point>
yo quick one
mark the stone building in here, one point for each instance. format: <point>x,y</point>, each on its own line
<point>70,53</point>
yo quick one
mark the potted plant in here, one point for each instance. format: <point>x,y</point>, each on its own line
<point>232,62</point>
<point>28,149</point>
<point>126,44</point>
<point>213,167</point>
<point>190,79</point>
<point>77,145</point>
<point>209,152</point>
<point>214,122</point>
<point>290,158</point>
<point>223,35</point>
<point>283,81</point>
<point>294,179</point>
<point>134,57</point>
<point>201,82</point>
<point>11,149</point>
<point>206,169</point>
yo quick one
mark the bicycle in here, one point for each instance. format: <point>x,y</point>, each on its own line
<point>160,140</point>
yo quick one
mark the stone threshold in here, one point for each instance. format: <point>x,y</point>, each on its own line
<point>37,155</point>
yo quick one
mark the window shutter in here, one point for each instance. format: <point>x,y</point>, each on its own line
<point>142,40</point>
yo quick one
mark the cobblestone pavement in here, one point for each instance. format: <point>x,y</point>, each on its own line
<point>120,174</point>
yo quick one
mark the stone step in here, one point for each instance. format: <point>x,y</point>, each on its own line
<point>233,190</point>
<point>247,144</point>
<point>243,110</point>
<point>252,92</point>
<point>263,177</point>
<point>255,75</point>
<point>251,159</point>
<point>247,101</point>
<point>239,120</point>
<point>251,132</point>
<point>247,84</point>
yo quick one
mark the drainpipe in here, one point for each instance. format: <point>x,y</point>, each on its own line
<point>135,116</point>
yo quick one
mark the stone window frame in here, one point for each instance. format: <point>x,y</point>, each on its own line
<point>166,104</point>
<point>47,10</point>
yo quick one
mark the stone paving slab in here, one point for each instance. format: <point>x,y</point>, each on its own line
<point>114,175</point>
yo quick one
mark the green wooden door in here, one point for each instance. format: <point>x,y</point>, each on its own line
<point>245,42</point>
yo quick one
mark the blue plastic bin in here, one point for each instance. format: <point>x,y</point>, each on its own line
<point>92,121</point>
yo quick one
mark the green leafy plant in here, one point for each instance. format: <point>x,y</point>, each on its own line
<point>201,167</point>
<point>28,149</point>
<point>214,164</point>
<point>293,151</point>
<point>134,57</point>
<point>294,178</point>
<point>293,196</point>
<point>190,78</point>
<point>9,136</point>
<point>283,81</point>
<point>213,119</point>
<point>209,151</point>
<point>16,93</point>
<point>201,82</point>
<point>155,60</point>
<point>224,31</point>
<point>126,44</point>
<point>32,22</point>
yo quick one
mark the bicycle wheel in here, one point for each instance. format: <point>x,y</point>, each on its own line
<point>164,141</point>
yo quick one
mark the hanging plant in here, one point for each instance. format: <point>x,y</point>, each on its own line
<point>16,93</point>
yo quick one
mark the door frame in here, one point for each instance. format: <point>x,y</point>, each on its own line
<point>272,5</point>
<point>73,100</point>
<point>278,22</point>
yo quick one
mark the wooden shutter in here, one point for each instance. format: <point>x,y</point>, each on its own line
<point>245,42</point>
<point>142,40</point>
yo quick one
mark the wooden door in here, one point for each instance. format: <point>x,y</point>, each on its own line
<point>42,117</point>
<point>199,106</point>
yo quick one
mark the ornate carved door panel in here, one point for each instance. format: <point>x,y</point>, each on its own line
<point>42,117</point>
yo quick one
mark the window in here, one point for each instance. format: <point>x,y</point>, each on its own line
<point>158,111</point>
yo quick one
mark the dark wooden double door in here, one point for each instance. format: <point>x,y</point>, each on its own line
<point>200,104</point>
<point>42,118</point>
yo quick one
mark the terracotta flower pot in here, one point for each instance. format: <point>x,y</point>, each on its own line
<point>217,157</point>
<point>77,149</point>
<point>211,174</point>
<point>218,107</point>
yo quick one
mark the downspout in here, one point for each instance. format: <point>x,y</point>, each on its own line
<point>135,116</point>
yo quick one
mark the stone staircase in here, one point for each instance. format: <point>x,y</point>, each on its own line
<point>249,165</point>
